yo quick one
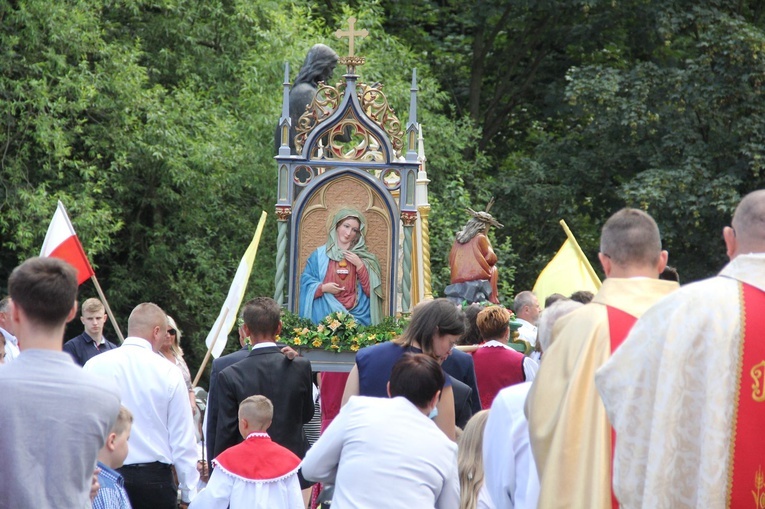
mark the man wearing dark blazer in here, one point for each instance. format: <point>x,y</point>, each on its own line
<point>460,366</point>
<point>211,411</point>
<point>268,372</point>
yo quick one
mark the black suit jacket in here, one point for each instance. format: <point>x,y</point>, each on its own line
<point>460,365</point>
<point>462,410</point>
<point>211,411</point>
<point>287,383</point>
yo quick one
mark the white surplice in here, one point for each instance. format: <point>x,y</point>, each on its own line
<point>510,473</point>
<point>225,488</point>
<point>669,392</point>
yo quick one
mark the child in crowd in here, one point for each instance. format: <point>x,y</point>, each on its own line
<point>112,494</point>
<point>256,473</point>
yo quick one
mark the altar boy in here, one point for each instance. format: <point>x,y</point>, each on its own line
<point>256,473</point>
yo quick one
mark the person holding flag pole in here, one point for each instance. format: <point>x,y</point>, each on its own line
<point>62,242</point>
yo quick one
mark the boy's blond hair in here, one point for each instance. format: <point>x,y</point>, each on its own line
<point>257,410</point>
<point>123,422</point>
<point>92,305</point>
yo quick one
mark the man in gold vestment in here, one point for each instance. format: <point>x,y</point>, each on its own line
<point>676,389</point>
<point>569,430</point>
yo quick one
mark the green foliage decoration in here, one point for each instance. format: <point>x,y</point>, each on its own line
<point>338,332</point>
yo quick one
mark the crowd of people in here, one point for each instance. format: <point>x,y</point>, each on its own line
<point>643,395</point>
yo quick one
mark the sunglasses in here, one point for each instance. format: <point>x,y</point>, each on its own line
<point>172,332</point>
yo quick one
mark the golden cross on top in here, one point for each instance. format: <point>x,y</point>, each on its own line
<point>351,34</point>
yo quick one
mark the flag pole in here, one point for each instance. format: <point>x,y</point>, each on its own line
<point>578,249</point>
<point>108,309</point>
<point>209,350</point>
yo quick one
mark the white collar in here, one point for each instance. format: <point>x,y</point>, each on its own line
<point>263,345</point>
<point>140,342</point>
<point>9,337</point>
<point>494,343</point>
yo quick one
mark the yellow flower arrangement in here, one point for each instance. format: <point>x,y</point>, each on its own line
<point>338,332</point>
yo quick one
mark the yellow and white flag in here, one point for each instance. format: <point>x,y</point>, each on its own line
<point>569,271</point>
<point>218,336</point>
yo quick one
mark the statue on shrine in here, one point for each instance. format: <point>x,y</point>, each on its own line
<point>320,63</point>
<point>473,261</point>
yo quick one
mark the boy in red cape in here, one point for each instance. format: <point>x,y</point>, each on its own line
<point>257,473</point>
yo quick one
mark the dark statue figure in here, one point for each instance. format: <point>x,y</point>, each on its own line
<point>320,63</point>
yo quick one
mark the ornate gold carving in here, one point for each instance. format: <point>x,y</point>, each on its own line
<point>283,213</point>
<point>364,146</point>
<point>409,217</point>
<point>375,105</point>
<point>322,106</point>
<point>758,387</point>
<point>352,62</point>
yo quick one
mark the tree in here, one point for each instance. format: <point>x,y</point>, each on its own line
<point>153,123</point>
<point>666,118</point>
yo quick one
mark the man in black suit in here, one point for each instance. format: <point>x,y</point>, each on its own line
<point>268,372</point>
<point>211,412</point>
<point>218,365</point>
<point>462,410</point>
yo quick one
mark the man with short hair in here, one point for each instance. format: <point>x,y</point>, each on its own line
<point>569,430</point>
<point>11,343</point>
<point>685,392</point>
<point>91,342</point>
<point>54,417</point>
<point>526,307</point>
<point>386,451</point>
<point>163,428</point>
<point>270,373</point>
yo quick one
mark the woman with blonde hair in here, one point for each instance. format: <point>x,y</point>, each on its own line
<point>171,350</point>
<point>473,492</point>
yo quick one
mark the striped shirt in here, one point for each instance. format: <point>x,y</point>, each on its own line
<point>112,494</point>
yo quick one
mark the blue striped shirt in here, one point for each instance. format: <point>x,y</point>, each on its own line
<point>112,494</point>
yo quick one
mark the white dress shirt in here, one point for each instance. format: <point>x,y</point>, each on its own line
<point>384,453</point>
<point>508,465</point>
<point>154,391</point>
<point>11,345</point>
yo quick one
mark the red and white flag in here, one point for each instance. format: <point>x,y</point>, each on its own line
<point>61,242</point>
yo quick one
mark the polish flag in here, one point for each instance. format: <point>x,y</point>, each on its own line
<point>61,242</point>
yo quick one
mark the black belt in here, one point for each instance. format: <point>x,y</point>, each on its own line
<point>156,464</point>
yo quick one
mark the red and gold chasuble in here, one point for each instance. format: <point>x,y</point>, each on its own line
<point>746,477</point>
<point>619,325</point>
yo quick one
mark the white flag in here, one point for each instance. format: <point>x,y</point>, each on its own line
<point>216,340</point>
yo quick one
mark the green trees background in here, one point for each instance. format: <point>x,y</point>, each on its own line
<point>153,122</point>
